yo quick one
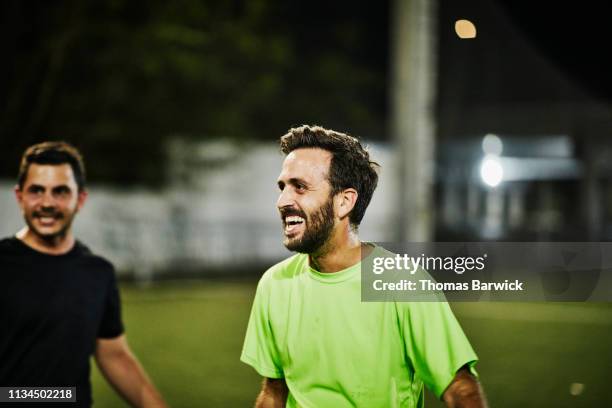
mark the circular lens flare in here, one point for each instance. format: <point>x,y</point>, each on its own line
<point>492,144</point>
<point>491,171</point>
<point>465,29</point>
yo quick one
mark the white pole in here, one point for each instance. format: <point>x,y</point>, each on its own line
<point>412,116</point>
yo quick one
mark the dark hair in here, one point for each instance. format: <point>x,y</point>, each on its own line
<point>350,165</point>
<point>53,153</point>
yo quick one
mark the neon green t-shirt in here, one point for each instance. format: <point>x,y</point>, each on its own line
<point>333,350</point>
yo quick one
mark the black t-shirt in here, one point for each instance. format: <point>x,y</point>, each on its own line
<point>52,310</point>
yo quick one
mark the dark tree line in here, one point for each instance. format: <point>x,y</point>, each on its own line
<point>118,77</point>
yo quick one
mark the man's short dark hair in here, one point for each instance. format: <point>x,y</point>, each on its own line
<point>53,153</point>
<point>350,166</point>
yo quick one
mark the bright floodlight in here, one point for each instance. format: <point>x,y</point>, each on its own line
<point>492,144</point>
<point>491,171</point>
<point>465,29</point>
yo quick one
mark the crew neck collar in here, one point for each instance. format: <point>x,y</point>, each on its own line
<point>36,252</point>
<point>342,275</point>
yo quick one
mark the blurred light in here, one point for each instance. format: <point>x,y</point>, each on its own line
<point>492,144</point>
<point>491,171</point>
<point>576,389</point>
<point>465,29</point>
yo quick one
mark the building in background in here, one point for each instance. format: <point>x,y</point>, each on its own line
<point>509,188</point>
<point>218,214</point>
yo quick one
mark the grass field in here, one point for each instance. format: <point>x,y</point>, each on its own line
<point>189,337</point>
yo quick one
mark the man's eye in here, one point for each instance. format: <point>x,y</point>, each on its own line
<point>300,187</point>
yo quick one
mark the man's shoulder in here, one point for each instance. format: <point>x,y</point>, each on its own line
<point>7,243</point>
<point>285,270</point>
<point>81,250</point>
<point>380,251</point>
<point>11,246</point>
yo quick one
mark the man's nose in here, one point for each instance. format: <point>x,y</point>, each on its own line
<point>285,199</point>
<point>47,200</point>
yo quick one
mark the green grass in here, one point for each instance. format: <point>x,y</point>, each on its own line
<point>189,336</point>
<point>189,339</point>
<point>530,354</point>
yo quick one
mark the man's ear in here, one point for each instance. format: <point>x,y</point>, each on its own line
<point>82,197</point>
<point>345,202</point>
<point>18,194</point>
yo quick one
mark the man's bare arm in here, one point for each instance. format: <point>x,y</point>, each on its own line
<point>124,373</point>
<point>273,393</point>
<point>464,391</point>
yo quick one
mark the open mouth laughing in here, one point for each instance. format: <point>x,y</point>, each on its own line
<point>294,222</point>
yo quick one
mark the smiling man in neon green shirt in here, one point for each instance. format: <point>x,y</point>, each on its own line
<point>309,335</point>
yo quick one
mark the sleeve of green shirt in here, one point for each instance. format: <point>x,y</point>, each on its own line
<point>435,343</point>
<point>259,350</point>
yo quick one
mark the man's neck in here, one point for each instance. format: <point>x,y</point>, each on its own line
<point>343,250</point>
<point>56,246</point>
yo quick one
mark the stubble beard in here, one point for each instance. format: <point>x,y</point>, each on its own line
<point>317,232</point>
<point>65,219</point>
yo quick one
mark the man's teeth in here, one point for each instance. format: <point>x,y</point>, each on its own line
<point>47,219</point>
<point>294,219</point>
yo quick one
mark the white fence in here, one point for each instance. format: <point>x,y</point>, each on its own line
<point>231,219</point>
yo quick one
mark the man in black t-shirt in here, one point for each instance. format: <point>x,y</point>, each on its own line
<point>59,303</point>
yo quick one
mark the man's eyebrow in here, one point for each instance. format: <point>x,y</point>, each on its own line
<point>292,181</point>
<point>295,181</point>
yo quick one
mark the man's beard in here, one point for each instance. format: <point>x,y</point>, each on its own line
<point>65,221</point>
<point>317,230</point>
